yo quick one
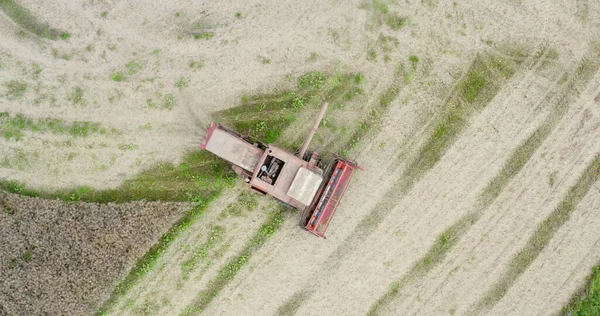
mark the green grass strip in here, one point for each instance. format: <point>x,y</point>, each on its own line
<point>516,162</point>
<point>147,262</point>
<point>28,21</point>
<point>291,306</point>
<point>372,119</point>
<point>230,270</point>
<point>199,176</point>
<point>478,87</point>
<point>540,238</point>
<point>448,239</point>
<point>12,127</point>
<point>587,302</point>
<point>201,252</point>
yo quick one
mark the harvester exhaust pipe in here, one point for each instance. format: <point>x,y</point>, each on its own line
<point>313,131</point>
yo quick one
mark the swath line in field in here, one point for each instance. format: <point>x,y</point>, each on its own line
<point>540,238</point>
<point>521,155</point>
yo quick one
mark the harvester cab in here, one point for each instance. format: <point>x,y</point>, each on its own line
<point>289,178</point>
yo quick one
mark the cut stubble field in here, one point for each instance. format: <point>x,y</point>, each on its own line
<point>477,125</point>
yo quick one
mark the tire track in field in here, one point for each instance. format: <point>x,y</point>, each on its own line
<point>451,236</point>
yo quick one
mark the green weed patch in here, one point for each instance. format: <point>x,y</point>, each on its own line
<point>381,14</point>
<point>16,89</point>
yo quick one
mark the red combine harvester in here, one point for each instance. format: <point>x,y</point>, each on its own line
<point>292,179</point>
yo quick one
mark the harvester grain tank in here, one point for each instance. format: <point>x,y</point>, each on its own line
<point>296,180</point>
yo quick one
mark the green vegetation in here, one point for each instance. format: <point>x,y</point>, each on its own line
<point>133,67</point>
<point>541,237</point>
<point>587,302</point>
<point>202,252</point>
<point>16,89</point>
<point>36,69</point>
<point>65,36</point>
<point>313,57</point>
<point>182,83</point>
<point>558,103</point>
<point>247,201</point>
<point>473,92</point>
<point>117,76</point>
<point>515,163</point>
<point>201,28</point>
<point>169,101</point>
<point>127,146</point>
<point>30,22</point>
<point>238,15</point>
<point>57,54</point>
<point>264,117</point>
<point>197,64</point>
<point>291,306</point>
<point>231,269</point>
<point>373,118</point>
<point>583,10</point>
<point>384,44</point>
<point>13,127</point>
<point>264,60</point>
<point>200,176</point>
<point>436,253</point>
<point>204,35</point>
<point>77,96</point>
<point>381,14</point>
